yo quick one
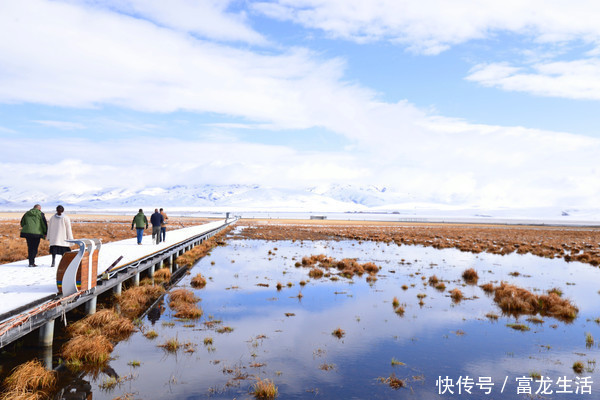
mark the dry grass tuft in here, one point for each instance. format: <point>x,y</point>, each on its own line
<point>171,345</point>
<point>433,280</point>
<point>106,322</point>
<point>136,300</point>
<point>315,273</point>
<point>189,258</point>
<point>265,389</point>
<point>518,327</point>
<point>578,367</point>
<point>395,302</point>
<point>338,333</point>
<point>198,281</point>
<point>515,300</point>
<point>456,295</point>
<point>162,275</point>
<point>488,287</point>
<point>29,380</point>
<point>184,301</point>
<point>189,311</point>
<point>470,276</point>
<point>91,349</point>
<point>182,296</point>
<point>393,381</point>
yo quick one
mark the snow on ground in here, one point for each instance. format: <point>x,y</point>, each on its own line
<point>20,285</point>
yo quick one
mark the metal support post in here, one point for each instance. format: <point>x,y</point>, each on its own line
<point>47,334</point>
<point>90,306</point>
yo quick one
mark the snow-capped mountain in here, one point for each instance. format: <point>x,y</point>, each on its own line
<point>338,198</point>
<point>240,198</point>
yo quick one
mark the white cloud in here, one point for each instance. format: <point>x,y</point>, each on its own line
<point>206,18</point>
<point>62,125</point>
<point>137,65</point>
<point>578,79</point>
<point>431,26</point>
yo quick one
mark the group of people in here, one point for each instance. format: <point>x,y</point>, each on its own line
<point>159,225</point>
<point>35,227</point>
<point>57,230</point>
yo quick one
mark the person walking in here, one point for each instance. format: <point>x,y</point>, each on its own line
<point>141,222</point>
<point>59,231</point>
<point>163,226</point>
<point>33,228</point>
<point>156,220</point>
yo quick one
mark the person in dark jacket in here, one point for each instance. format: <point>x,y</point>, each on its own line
<point>140,222</point>
<point>156,220</point>
<point>33,228</point>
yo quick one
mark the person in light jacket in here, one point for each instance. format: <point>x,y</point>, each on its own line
<point>33,228</point>
<point>59,231</point>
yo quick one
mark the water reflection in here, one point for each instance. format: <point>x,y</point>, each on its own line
<point>280,336</point>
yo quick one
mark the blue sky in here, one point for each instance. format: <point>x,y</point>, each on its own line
<point>477,103</point>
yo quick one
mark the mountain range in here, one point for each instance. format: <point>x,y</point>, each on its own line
<point>250,198</point>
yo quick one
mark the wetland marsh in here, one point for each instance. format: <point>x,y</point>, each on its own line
<point>265,320</point>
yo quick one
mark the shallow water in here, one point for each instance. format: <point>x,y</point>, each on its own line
<point>438,339</point>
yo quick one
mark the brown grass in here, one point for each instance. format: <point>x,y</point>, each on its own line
<point>190,311</point>
<point>91,349</point>
<point>546,241</point>
<point>315,273</point>
<point>171,345</point>
<point>29,380</point>
<point>184,301</point>
<point>578,367</point>
<point>470,276</point>
<point>198,281</point>
<point>347,267</point>
<point>395,302</point>
<point>338,333</point>
<point>488,287</point>
<point>189,258</point>
<point>393,381</point>
<point>136,300</point>
<point>106,322</point>
<point>456,295</point>
<point>264,389</point>
<point>162,275</point>
<point>515,300</point>
<point>182,296</point>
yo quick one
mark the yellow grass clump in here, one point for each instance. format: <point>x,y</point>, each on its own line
<point>456,295</point>
<point>162,275</point>
<point>198,281</point>
<point>106,322</point>
<point>265,389</point>
<point>338,333</point>
<point>184,301</point>
<point>315,273</point>
<point>136,300</point>
<point>516,300</point>
<point>29,381</point>
<point>470,276</point>
<point>189,258</point>
<point>91,349</point>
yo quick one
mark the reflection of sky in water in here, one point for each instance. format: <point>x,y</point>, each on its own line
<point>425,338</point>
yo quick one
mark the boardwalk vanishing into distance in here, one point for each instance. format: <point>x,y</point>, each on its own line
<point>29,298</point>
